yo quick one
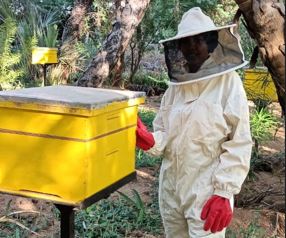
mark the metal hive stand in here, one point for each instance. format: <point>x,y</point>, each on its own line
<point>67,211</point>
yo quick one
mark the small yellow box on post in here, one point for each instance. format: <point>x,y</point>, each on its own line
<point>70,145</point>
<point>258,84</point>
<point>44,55</point>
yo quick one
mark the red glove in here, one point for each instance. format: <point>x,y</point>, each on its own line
<point>144,139</point>
<point>217,213</point>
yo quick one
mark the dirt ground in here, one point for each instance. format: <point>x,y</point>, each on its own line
<point>261,202</point>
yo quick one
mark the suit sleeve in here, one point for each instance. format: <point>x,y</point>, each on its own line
<point>235,158</point>
<point>159,133</point>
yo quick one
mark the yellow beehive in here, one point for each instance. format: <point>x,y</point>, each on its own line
<point>258,84</point>
<point>66,144</point>
<point>44,55</point>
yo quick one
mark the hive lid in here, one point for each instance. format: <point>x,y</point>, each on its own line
<point>67,99</point>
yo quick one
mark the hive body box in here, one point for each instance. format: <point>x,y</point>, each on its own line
<point>67,144</point>
<point>259,84</point>
<point>44,55</point>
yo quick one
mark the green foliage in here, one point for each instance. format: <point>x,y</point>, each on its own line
<point>137,203</point>
<point>87,49</point>
<point>116,218</point>
<point>145,217</point>
<point>262,124</point>
<point>102,16</point>
<point>152,79</point>
<point>48,36</point>
<point>35,26</point>
<point>157,80</point>
<point>261,103</point>
<point>106,219</point>
<point>74,60</point>
<point>145,160</point>
<point>147,117</point>
<point>8,59</point>
<point>6,10</point>
<point>62,6</point>
<point>166,15</point>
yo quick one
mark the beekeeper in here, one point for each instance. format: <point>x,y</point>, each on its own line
<point>202,129</point>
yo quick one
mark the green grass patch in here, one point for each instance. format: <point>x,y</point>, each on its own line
<point>118,218</point>
<point>145,160</point>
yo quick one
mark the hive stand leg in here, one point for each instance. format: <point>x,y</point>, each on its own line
<point>45,74</point>
<point>67,221</point>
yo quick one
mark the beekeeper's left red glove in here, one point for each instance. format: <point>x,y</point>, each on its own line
<point>144,138</point>
<point>217,213</point>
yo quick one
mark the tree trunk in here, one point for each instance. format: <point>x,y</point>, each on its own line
<point>130,14</point>
<point>75,23</point>
<point>72,33</point>
<point>117,72</point>
<point>265,23</point>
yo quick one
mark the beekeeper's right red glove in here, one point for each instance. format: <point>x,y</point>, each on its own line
<point>217,213</point>
<point>144,139</point>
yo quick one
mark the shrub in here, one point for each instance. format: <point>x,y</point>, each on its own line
<point>8,59</point>
<point>262,124</point>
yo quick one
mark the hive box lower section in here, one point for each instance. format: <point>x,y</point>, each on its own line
<point>67,159</point>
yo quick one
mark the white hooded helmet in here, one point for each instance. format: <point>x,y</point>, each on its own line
<point>227,56</point>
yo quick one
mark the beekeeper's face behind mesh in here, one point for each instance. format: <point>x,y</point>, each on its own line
<point>201,50</point>
<point>186,55</point>
<point>196,49</point>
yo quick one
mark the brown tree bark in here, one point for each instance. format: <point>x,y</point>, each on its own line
<point>75,23</point>
<point>72,33</point>
<point>265,23</point>
<point>129,15</point>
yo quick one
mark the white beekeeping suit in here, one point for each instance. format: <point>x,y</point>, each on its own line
<point>202,130</point>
